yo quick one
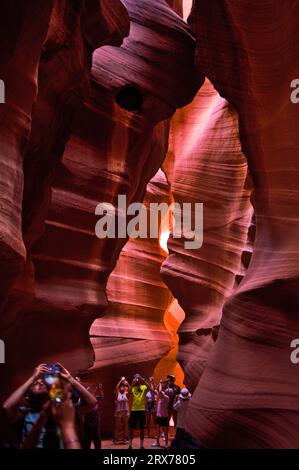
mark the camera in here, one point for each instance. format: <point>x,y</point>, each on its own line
<point>53,381</point>
<point>53,375</point>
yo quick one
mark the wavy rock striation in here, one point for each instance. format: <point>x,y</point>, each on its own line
<point>19,71</point>
<point>47,73</point>
<point>112,144</point>
<point>131,337</point>
<point>247,396</point>
<point>205,165</point>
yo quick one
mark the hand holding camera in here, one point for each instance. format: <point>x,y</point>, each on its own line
<point>53,381</point>
<point>64,414</point>
<point>39,371</point>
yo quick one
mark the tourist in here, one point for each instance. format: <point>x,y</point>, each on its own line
<point>122,411</point>
<point>91,423</point>
<point>29,405</point>
<point>173,391</point>
<point>183,439</point>
<point>25,405</point>
<point>65,417</point>
<point>137,417</point>
<point>162,421</point>
<point>151,406</point>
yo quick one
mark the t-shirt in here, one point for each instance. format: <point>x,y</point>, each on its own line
<point>149,396</point>
<point>181,407</point>
<point>162,408</point>
<point>30,419</point>
<point>139,398</point>
<point>121,403</point>
<point>172,391</point>
<point>49,437</point>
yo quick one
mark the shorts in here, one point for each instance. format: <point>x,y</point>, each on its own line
<point>121,414</point>
<point>162,422</point>
<point>137,420</point>
<point>151,407</point>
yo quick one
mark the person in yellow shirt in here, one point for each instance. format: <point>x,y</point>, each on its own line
<point>137,420</point>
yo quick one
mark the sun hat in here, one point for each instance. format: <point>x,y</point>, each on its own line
<point>185,394</point>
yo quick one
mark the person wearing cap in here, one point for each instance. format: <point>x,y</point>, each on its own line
<point>173,390</point>
<point>137,419</point>
<point>181,406</point>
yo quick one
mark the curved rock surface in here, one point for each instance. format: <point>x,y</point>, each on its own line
<point>131,336</point>
<point>205,165</point>
<point>112,144</point>
<point>19,72</point>
<point>57,57</point>
<point>247,396</point>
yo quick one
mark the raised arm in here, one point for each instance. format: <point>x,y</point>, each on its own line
<point>131,387</point>
<point>64,415</point>
<point>159,388</point>
<point>122,379</point>
<point>99,392</point>
<point>13,402</point>
<point>86,396</point>
<point>145,382</point>
<point>152,384</point>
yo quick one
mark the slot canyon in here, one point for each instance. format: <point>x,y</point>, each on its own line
<point>165,102</point>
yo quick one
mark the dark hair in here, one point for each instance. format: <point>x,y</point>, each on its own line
<point>36,400</point>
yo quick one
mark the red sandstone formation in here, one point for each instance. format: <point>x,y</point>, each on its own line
<point>205,164</point>
<point>46,74</point>
<point>20,33</point>
<point>118,142</point>
<point>74,32</point>
<point>248,394</point>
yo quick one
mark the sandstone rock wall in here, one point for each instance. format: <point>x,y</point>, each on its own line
<point>205,164</point>
<point>247,396</point>
<point>80,154</point>
<point>46,72</point>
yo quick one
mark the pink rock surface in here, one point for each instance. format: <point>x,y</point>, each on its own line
<point>204,160</point>
<point>106,150</point>
<point>247,396</point>
<point>50,94</point>
<point>131,336</point>
<point>19,72</point>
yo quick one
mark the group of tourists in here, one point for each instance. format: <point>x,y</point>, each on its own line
<point>144,405</point>
<point>53,409</point>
